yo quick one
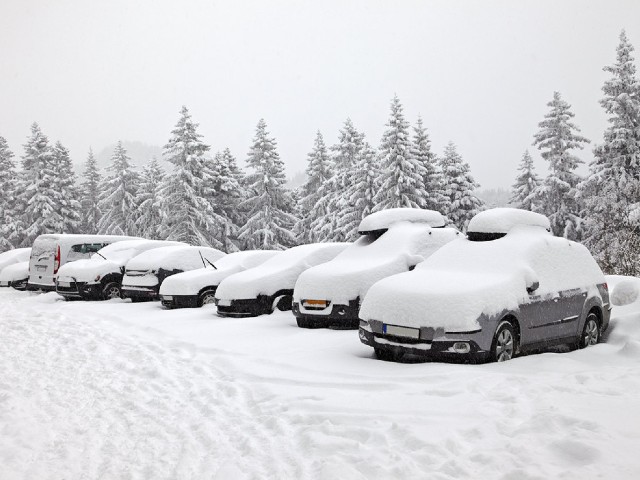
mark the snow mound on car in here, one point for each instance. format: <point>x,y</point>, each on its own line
<point>180,257</point>
<point>502,220</point>
<point>385,218</point>
<point>17,271</point>
<point>16,255</point>
<point>356,269</point>
<point>465,279</point>
<point>279,272</point>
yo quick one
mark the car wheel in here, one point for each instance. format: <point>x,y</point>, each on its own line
<point>590,332</point>
<point>111,290</point>
<point>284,303</point>
<point>208,298</point>
<point>505,343</point>
<point>388,355</point>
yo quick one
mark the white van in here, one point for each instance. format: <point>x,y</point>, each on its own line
<point>50,251</point>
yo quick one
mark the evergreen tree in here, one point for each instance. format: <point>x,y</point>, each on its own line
<point>524,191</point>
<point>432,178</point>
<point>66,190</point>
<point>461,203</point>
<point>270,221</point>
<point>8,184</point>
<point>118,198</point>
<point>612,190</point>
<point>318,174</point>
<point>556,138</point>
<point>90,195</point>
<point>402,175</point>
<point>189,216</point>
<point>149,201</point>
<point>226,197</point>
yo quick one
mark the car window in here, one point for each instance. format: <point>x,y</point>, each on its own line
<point>83,250</point>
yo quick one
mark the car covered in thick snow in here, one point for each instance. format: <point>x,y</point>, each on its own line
<point>198,287</point>
<point>391,241</point>
<point>17,255</point>
<point>269,286</point>
<point>100,277</point>
<point>15,275</point>
<point>510,286</point>
<point>145,273</point>
<point>51,251</point>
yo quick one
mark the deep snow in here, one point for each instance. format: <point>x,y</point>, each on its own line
<point>117,390</point>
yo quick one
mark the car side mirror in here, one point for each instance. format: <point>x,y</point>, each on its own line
<point>533,287</point>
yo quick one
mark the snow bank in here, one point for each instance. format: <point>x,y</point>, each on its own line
<point>279,272</point>
<point>385,218</point>
<point>465,279</point>
<point>190,283</point>
<point>356,269</point>
<point>17,255</point>
<point>501,220</point>
<point>15,272</point>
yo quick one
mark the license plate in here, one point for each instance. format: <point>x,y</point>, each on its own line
<point>224,303</point>
<point>168,298</point>
<point>64,284</point>
<point>401,331</point>
<point>41,268</point>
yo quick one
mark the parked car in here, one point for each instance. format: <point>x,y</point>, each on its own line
<point>391,241</point>
<point>269,286</point>
<point>509,287</point>
<point>198,287</point>
<point>17,255</point>
<point>146,272</point>
<point>15,275</point>
<point>100,277</point>
<point>52,251</point>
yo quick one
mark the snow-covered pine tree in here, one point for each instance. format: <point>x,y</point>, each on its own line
<point>555,139</point>
<point>8,184</point>
<point>188,215</point>
<point>118,197</point>
<point>611,193</point>
<point>149,201</point>
<point>270,222</point>
<point>360,194</point>
<point>333,199</point>
<point>401,175</point>
<point>432,178</point>
<point>524,191</point>
<point>461,203</point>
<point>90,195</point>
<point>226,195</point>
<point>68,195</point>
<point>310,205</point>
<point>38,196</point>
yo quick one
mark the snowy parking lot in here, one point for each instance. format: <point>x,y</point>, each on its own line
<point>117,390</point>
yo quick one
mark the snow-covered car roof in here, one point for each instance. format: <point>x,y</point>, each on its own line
<point>369,259</point>
<point>501,220</point>
<point>190,283</point>
<point>181,257</point>
<point>279,272</point>
<point>16,255</point>
<point>385,218</point>
<point>128,249</point>
<point>465,279</point>
<point>14,272</point>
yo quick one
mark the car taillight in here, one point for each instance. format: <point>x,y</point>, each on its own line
<point>606,287</point>
<point>56,261</point>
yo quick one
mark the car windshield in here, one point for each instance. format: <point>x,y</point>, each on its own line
<point>44,246</point>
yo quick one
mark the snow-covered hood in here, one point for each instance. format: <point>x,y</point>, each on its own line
<point>190,283</point>
<point>87,270</point>
<point>17,271</point>
<point>354,271</point>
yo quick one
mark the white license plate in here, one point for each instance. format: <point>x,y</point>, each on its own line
<point>167,297</point>
<point>224,303</point>
<point>64,284</point>
<point>401,331</point>
<point>41,268</point>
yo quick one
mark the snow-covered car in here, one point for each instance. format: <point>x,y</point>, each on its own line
<point>198,287</point>
<point>15,275</point>
<point>146,272</point>
<point>100,277</point>
<point>510,286</point>
<point>52,251</point>
<point>17,255</point>
<point>269,286</point>
<point>392,241</point>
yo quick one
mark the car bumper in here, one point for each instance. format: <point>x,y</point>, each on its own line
<point>246,307</point>
<point>144,293</point>
<point>41,286</point>
<point>16,284</point>
<point>335,314</point>
<point>83,290</point>
<point>180,301</point>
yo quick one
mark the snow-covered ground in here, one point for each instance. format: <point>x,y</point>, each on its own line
<point>115,390</point>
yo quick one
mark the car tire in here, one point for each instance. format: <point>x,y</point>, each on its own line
<point>590,332</point>
<point>207,297</point>
<point>387,355</point>
<point>311,323</point>
<point>505,343</point>
<point>111,290</point>
<point>284,303</point>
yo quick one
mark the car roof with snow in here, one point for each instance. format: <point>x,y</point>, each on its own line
<point>128,249</point>
<point>279,272</point>
<point>14,256</point>
<point>16,271</point>
<point>181,257</point>
<point>383,219</point>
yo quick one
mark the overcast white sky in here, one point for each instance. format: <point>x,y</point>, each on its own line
<point>479,72</point>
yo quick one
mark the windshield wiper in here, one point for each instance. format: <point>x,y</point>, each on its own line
<point>206,260</point>
<point>98,253</point>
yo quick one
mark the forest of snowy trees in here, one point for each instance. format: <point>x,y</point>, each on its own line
<point>208,199</point>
